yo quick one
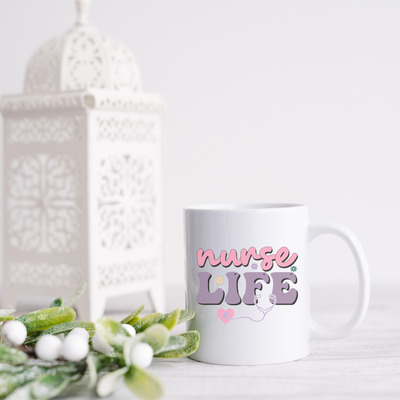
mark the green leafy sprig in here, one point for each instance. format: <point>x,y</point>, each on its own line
<point>22,375</point>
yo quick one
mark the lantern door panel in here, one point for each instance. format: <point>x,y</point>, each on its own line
<point>125,201</point>
<point>45,205</point>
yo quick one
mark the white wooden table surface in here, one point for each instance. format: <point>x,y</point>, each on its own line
<point>365,365</point>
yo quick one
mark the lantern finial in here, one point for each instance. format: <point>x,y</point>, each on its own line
<point>83,10</point>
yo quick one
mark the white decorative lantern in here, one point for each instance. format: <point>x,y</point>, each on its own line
<point>82,175</point>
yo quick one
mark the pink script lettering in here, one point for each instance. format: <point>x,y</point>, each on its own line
<point>281,257</point>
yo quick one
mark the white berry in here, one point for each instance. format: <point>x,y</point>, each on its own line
<point>81,332</point>
<point>75,348</point>
<point>48,347</point>
<point>130,329</point>
<point>100,344</point>
<point>13,333</point>
<point>142,355</point>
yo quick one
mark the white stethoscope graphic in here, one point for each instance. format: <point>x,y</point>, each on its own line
<point>265,311</point>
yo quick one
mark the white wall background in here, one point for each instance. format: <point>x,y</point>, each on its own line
<point>269,101</point>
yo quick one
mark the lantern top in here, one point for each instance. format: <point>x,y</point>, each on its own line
<point>83,10</point>
<point>82,58</point>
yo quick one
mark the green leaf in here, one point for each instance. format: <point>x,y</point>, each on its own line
<point>146,321</point>
<point>9,381</point>
<point>109,383</point>
<point>65,327</point>
<point>113,332</point>
<point>143,384</point>
<point>11,368</point>
<point>6,311</point>
<point>186,315</point>
<point>49,385</point>
<point>170,319</point>
<point>76,295</point>
<point>12,356</point>
<point>133,317</point>
<point>156,336</point>
<point>21,393</point>
<point>173,343</point>
<point>44,319</point>
<point>56,303</point>
<point>71,368</point>
<point>192,343</point>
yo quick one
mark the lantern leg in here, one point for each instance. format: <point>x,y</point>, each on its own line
<point>9,298</point>
<point>91,307</point>
<point>157,297</point>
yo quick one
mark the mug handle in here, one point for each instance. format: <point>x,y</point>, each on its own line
<point>319,228</point>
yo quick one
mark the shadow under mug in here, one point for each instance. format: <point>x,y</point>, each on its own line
<point>247,274</point>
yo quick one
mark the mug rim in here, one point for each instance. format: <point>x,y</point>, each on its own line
<point>244,207</point>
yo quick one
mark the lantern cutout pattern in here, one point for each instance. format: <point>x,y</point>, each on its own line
<point>82,168</point>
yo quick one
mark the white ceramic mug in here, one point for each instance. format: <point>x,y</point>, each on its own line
<point>248,281</point>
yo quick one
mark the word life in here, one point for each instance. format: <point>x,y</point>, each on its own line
<point>252,284</point>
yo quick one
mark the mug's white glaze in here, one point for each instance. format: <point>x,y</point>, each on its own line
<point>247,275</point>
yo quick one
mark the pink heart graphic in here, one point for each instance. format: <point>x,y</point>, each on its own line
<point>225,315</point>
